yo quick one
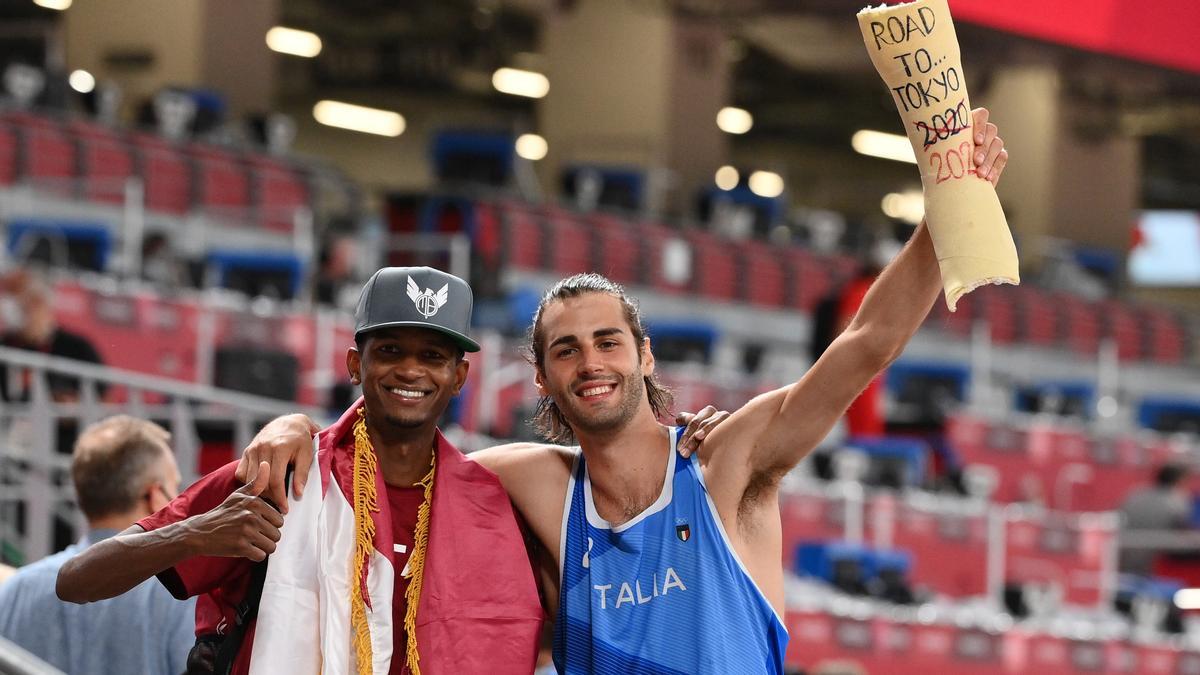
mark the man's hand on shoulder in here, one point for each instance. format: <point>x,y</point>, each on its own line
<point>285,440</point>
<point>245,525</point>
<point>699,426</point>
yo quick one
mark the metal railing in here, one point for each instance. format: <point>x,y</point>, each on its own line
<point>35,476</point>
<point>16,661</point>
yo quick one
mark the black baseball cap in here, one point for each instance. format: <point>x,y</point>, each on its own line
<point>417,297</point>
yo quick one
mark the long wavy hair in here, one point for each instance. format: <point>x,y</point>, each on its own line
<point>547,417</point>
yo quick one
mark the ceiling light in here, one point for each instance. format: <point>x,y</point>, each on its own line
<point>531,147</point>
<point>727,177</point>
<point>1187,598</point>
<point>60,5</point>
<point>81,81</point>
<point>520,82</point>
<point>359,118</point>
<point>883,145</point>
<point>766,184</point>
<point>294,42</point>
<point>907,206</point>
<point>734,120</point>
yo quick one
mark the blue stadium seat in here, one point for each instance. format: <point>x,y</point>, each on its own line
<point>254,271</point>
<point>84,244</point>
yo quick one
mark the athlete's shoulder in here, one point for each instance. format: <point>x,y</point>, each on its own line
<point>525,456</point>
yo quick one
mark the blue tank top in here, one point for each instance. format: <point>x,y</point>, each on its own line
<point>662,593</point>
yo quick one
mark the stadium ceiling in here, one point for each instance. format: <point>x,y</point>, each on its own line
<point>798,65</point>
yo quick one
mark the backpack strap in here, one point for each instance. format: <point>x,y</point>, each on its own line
<point>247,609</point>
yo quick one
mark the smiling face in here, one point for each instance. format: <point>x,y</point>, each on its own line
<point>593,367</point>
<point>408,376</point>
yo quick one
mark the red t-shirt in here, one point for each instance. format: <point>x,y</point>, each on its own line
<point>221,582</point>
<point>405,502</point>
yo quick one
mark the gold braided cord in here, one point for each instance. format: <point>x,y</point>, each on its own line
<point>366,502</point>
<point>416,566</point>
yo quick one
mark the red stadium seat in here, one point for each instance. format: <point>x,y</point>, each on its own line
<point>524,236</point>
<point>842,268</point>
<point>714,274</point>
<point>618,257</point>
<point>1039,320</point>
<point>810,517</point>
<point>1080,324</point>
<point>997,306</point>
<point>809,278</point>
<point>949,546</point>
<point>487,239</point>
<point>279,190</point>
<point>1063,551</point>
<point>8,155</point>
<point>570,242</point>
<point>1166,336</point>
<point>222,180</point>
<point>762,274</point>
<point>106,162</point>
<point>1123,326</point>
<point>166,174</point>
<point>47,155</point>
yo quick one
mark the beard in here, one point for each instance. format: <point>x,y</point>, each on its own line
<point>633,390</point>
<point>403,422</point>
<point>391,422</point>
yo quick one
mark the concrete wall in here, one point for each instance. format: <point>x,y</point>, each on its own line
<point>169,32</point>
<point>217,44</point>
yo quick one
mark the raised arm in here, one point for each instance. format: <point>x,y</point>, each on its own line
<point>242,526</point>
<point>772,433</point>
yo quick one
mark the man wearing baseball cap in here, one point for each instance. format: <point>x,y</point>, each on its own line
<point>408,559</point>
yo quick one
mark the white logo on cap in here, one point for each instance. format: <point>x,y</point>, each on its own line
<point>427,302</point>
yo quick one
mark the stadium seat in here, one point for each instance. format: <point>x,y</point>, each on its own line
<point>809,279</point>
<point>763,280</point>
<point>105,161</point>
<point>278,191</point>
<point>571,242</point>
<point>8,155</point>
<point>222,181</point>
<point>523,236</point>
<point>166,174</point>
<point>998,308</point>
<point>47,157</point>
<point>1079,324</point>
<point>1038,316</point>
<point>64,243</point>
<point>617,254</point>
<point>258,272</point>
<point>1166,336</point>
<point>714,274</point>
<point>895,461</point>
<point>1123,326</point>
<point>487,240</point>
<point>848,566</point>
<point>947,542</point>
<point>1068,552</point>
<point>1169,414</point>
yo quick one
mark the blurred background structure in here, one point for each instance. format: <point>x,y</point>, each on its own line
<point>192,192</point>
